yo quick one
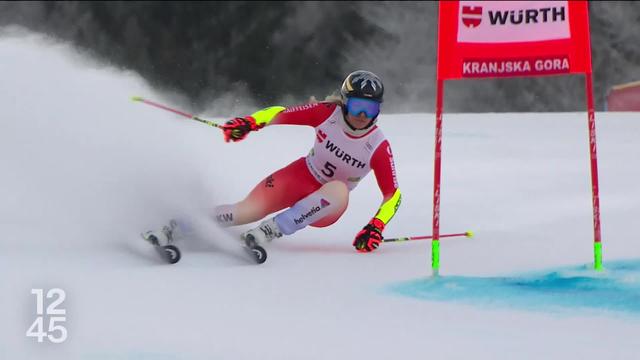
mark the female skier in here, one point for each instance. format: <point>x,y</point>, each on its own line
<point>314,189</point>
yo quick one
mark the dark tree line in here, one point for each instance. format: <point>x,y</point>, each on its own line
<point>278,51</point>
<point>206,48</point>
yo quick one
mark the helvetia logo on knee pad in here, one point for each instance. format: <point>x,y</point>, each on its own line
<point>323,204</point>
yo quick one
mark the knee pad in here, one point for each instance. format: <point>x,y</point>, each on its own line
<point>328,200</point>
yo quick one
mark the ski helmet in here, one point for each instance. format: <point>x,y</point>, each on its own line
<point>364,84</point>
<point>360,84</point>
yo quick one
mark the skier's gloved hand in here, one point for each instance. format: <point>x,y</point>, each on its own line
<point>370,237</point>
<point>237,129</point>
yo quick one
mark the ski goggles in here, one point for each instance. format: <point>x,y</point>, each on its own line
<point>356,106</point>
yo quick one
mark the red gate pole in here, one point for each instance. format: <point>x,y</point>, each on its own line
<point>597,243</point>
<point>435,242</point>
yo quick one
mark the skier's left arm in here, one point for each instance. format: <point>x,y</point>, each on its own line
<point>237,129</point>
<point>309,114</point>
<point>382,164</point>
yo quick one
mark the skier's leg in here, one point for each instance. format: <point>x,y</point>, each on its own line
<point>277,191</point>
<point>331,218</point>
<point>321,208</point>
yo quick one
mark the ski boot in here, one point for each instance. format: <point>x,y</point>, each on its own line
<point>254,239</point>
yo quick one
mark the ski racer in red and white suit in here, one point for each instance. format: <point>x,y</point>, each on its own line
<point>315,189</point>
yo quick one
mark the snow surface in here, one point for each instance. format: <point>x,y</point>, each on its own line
<point>85,170</point>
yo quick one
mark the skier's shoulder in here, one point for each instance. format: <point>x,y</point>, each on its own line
<point>312,113</point>
<point>315,107</point>
<point>377,134</point>
<point>380,145</point>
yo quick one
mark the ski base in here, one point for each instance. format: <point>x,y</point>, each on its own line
<point>169,253</point>
<point>257,253</point>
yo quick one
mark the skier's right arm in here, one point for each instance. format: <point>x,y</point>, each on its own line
<point>310,114</point>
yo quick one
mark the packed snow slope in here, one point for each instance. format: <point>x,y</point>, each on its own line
<point>85,170</point>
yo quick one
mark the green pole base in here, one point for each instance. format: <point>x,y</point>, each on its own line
<point>435,257</point>
<point>597,255</point>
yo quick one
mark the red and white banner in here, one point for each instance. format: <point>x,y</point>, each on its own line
<point>483,39</point>
<point>512,38</point>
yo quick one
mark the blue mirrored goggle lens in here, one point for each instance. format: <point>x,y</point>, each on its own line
<point>370,108</point>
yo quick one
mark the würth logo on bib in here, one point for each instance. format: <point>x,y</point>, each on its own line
<point>341,154</point>
<point>471,16</point>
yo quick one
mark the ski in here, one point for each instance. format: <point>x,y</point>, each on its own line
<point>255,251</point>
<point>163,243</point>
<point>169,252</point>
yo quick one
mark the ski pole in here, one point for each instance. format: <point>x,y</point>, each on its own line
<point>467,234</point>
<point>163,107</point>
